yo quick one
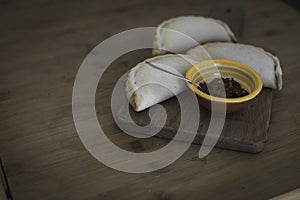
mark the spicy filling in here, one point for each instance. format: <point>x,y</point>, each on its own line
<point>232,88</point>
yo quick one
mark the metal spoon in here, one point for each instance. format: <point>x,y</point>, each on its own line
<point>176,75</point>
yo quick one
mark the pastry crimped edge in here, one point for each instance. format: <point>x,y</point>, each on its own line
<point>277,67</point>
<point>157,45</point>
<point>132,89</point>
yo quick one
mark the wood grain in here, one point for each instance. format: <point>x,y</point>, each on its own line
<point>245,130</point>
<point>42,45</point>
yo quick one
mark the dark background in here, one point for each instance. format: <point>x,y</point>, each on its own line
<point>42,44</point>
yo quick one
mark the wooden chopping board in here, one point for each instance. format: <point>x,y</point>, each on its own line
<point>245,130</point>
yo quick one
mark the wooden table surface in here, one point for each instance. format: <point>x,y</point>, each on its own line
<point>42,45</point>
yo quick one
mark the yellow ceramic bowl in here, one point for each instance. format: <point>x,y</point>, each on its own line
<point>208,70</point>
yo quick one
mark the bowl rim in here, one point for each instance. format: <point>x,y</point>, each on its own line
<point>206,63</point>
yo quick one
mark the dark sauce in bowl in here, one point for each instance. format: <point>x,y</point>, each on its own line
<point>233,89</point>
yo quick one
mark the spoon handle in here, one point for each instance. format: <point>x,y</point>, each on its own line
<point>178,76</point>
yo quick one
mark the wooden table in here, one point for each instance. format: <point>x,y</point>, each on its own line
<point>42,45</point>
